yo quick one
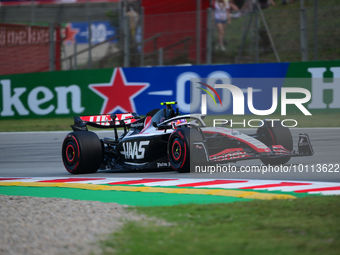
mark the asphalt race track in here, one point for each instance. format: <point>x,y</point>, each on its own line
<point>38,154</point>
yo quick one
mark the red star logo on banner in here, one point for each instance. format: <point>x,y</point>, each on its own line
<point>118,94</point>
<point>70,33</point>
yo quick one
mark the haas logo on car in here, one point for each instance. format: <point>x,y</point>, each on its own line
<point>134,150</point>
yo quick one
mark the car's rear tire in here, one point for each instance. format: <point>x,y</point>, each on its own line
<point>179,146</point>
<point>276,134</point>
<point>82,152</point>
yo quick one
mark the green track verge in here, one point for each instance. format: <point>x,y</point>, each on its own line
<point>121,197</point>
<point>308,225</point>
<point>151,198</point>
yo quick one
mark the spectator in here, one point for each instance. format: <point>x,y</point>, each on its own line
<point>133,15</point>
<point>234,7</point>
<point>222,14</point>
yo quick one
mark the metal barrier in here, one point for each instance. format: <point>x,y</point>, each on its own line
<point>303,31</point>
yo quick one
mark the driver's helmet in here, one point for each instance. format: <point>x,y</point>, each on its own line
<point>167,115</point>
<point>178,122</point>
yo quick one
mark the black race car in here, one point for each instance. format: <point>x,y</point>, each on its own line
<point>166,139</point>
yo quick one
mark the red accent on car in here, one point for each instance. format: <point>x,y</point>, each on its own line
<point>227,151</point>
<point>180,134</point>
<point>229,154</point>
<point>259,150</point>
<point>105,119</point>
<point>279,149</point>
<point>147,123</point>
<point>271,134</point>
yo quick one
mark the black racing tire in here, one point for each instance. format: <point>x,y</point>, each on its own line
<point>179,148</point>
<point>82,152</point>
<point>276,134</point>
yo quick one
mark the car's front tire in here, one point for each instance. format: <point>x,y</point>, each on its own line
<point>276,134</point>
<point>179,147</point>
<point>178,150</point>
<point>82,152</point>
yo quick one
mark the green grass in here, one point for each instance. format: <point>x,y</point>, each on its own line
<point>39,124</point>
<point>307,225</point>
<point>63,124</point>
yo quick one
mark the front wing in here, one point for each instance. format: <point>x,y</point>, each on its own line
<point>201,152</point>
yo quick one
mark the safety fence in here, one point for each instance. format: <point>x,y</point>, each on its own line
<point>28,49</point>
<point>122,35</point>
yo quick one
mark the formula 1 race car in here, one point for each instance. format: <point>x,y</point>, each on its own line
<point>166,139</point>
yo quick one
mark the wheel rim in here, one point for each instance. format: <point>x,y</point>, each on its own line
<point>70,153</point>
<point>176,150</point>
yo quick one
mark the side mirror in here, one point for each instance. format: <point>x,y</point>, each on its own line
<point>163,127</point>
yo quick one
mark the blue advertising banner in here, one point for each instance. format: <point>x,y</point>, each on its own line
<point>173,84</point>
<point>79,32</point>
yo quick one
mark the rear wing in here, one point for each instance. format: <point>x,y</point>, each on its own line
<point>104,121</point>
